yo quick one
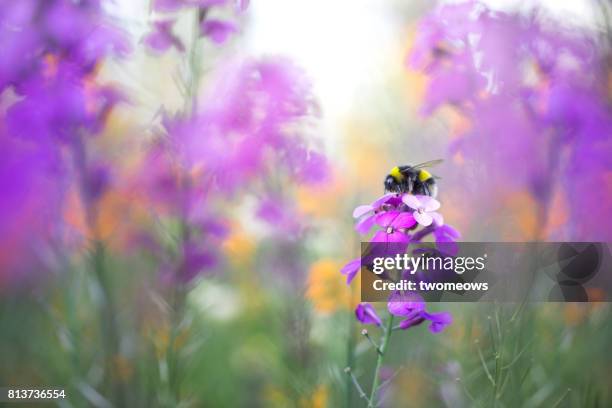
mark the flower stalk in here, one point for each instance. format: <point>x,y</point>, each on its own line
<point>379,361</point>
<point>401,220</point>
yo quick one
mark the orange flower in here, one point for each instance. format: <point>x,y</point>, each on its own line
<point>327,289</point>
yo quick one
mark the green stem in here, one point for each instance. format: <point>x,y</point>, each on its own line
<point>110,330</point>
<point>379,361</point>
<point>350,356</point>
<point>179,292</point>
<point>108,312</point>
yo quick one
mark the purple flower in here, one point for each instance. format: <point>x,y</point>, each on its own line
<point>217,30</point>
<point>424,209</point>
<point>246,123</point>
<point>196,260</point>
<point>351,269</point>
<point>412,308</point>
<point>552,106</point>
<point>162,37</point>
<point>32,186</point>
<point>439,321</point>
<point>394,225</point>
<point>281,215</point>
<point>173,5</point>
<point>446,237</point>
<point>366,314</point>
<point>405,304</point>
<point>366,213</point>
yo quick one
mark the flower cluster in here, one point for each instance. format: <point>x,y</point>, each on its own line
<point>52,102</point>
<point>247,129</point>
<point>402,220</point>
<point>524,86</point>
<point>410,307</point>
<point>162,37</point>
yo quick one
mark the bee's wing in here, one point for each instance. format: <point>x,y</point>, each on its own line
<point>430,163</point>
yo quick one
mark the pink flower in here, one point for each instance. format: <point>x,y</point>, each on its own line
<point>424,209</point>
<point>366,213</point>
<point>394,224</point>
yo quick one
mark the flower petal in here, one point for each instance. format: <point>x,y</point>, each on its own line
<point>217,30</point>
<point>411,201</point>
<point>437,217</point>
<point>405,304</point>
<point>439,321</point>
<point>382,200</point>
<point>423,218</point>
<point>404,220</point>
<point>446,233</point>
<point>398,237</point>
<point>429,203</point>
<point>362,210</point>
<point>366,314</point>
<point>365,224</point>
<point>351,269</point>
<point>380,236</point>
<point>412,321</point>
<point>385,219</point>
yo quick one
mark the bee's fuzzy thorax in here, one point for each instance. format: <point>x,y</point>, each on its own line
<point>396,174</point>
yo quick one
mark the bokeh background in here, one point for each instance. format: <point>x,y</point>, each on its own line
<point>178,176</point>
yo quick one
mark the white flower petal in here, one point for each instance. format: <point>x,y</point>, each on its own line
<point>361,210</point>
<point>423,218</point>
<point>411,201</point>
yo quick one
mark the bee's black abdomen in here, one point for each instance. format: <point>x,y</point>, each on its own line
<point>427,187</point>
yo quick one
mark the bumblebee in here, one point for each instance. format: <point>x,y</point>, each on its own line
<point>412,179</point>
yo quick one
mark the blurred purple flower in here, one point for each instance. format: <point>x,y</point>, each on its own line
<point>173,5</point>
<point>366,314</point>
<point>162,37</point>
<point>32,183</point>
<point>424,209</point>
<point>280,215</point>
<point>247,126</point>
<point>97,180</point>
<point>528,88</point>
<point>49,55</point>
<point>196,259</point>
<point>33,30</point>
<point>218,30</point>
